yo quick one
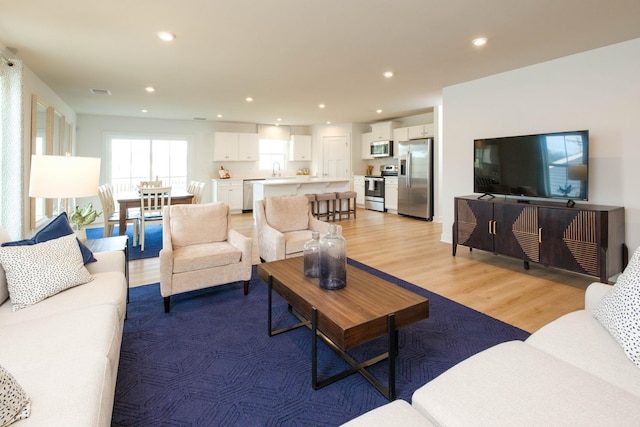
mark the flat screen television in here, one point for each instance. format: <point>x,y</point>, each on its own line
<point>549,165</point>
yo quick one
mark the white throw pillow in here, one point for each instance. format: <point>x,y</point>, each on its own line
<point>619,310</point>
<point>14,403</point>
<point>36,272</point>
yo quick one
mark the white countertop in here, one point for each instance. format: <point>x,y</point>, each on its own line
<point>302,180</point>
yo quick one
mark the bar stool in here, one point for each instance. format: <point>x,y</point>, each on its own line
<point>330,199</point>
<point>342,196</point>
<point>312,203</point>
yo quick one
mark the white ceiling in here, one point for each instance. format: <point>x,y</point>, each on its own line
<point>291,55</point>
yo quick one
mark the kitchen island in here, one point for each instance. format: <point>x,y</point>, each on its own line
<point>298,186</point>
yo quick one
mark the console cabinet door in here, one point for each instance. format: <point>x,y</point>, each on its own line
<point>474,224</point>
<point>570,239</point>
<point>516,231</point>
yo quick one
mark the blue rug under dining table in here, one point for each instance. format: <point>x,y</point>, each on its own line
<point>152,240</point>
<point>210,361</point>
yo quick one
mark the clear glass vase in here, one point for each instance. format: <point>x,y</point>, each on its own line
<point>312,256</point>
<point>333,260</point>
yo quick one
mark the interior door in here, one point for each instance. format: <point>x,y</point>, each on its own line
<point>336,157</point>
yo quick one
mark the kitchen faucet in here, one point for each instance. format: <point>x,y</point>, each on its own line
<point>274,169</point>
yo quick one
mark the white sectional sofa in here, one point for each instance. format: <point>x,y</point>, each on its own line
<point>64,351</point>
<point>571,372</point>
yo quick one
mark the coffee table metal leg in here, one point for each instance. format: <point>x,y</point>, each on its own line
<point>360,367</point>
<point>270,330</point>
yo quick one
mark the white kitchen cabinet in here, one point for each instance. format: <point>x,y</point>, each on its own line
<point>231,146</point>
<point>421,131</point>
<point>366,145</point>
<point>383,131</point>
<point>399,134</point>
<point>300,148</point>
<point>391,194</point>
<point>358,187</point>
<point>248,148</point>
<point>228,191</point>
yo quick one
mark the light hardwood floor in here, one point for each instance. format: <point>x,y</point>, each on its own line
<point>411,250</point>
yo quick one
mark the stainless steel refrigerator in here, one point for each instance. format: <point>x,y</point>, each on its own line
<point>415,178</point>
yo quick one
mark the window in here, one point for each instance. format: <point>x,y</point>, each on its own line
<point>272,151</point>
<point>135,159</point>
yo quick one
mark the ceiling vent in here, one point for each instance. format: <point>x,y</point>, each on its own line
<point>100,92</point>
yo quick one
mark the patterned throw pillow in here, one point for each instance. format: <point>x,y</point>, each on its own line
<point>36,272</point>
<point>57,227</point>
<point>15,404</point>
<point>619,310</point>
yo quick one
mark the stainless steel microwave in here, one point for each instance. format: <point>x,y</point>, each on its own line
<point>382,149</point>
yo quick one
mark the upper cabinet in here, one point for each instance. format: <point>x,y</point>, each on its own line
<point>383,131</point>
<point>231,146</point>
<point>300,148</point>
<point>367,138</point>
<point>421,131</point>
<point>399,134</point>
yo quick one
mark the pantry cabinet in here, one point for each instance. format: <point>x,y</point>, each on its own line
<point>231,146</point>
<point>300,148</point>
<point>586,239</point>
<point>228,191</point>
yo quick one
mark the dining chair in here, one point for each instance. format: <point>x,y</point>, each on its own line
<point>112,216</point>
<point>152,201</point>
<point>151,184</point>
<point>197,189</point>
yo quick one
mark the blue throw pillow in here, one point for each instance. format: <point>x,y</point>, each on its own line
<point>57,227</point>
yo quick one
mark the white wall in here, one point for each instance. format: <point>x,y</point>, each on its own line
<point>598,90</point>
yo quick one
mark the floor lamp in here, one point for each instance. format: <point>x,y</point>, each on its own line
<point>64,177</point>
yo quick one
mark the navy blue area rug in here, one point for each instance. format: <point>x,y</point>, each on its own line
<point>210,361</point>
<point>152,240</point>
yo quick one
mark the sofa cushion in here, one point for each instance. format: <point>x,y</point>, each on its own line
<point>619,310</point>
<point>195,224</point>
<point>105,288</point>
<point>57,227</point>
<point>514,383</point>
<point>14,403</point>
<point>288,213</point>
<point>580,340</point>
<point>36,272</point>
<point>207,255</point>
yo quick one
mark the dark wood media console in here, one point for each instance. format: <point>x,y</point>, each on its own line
<point>587,239</point>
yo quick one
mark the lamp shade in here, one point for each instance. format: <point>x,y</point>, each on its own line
<point>64,176</point>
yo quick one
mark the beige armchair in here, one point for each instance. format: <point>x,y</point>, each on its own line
<point>283,225</point>
<point>200,250</point>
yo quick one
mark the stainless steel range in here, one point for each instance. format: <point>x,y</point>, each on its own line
<point>374,188</point>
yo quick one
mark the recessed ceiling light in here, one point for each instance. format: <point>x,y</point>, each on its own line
<point>279,119</point>
<point>328,123</point>
<point>144,110</point>
<point>378,111</point>
<point>166,36</point>
<point>388,74</point>
<point>277,124</point>
<point>480,41</point>
<point>321,105</point>
<point>150,89</point>
<point>248,99</point>
<point>219,116</point>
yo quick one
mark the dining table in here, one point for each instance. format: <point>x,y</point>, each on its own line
<point>131,199</point>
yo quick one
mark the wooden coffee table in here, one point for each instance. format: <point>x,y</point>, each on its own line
<point>367,308</point>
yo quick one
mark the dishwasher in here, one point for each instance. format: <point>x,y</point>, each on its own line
<point>247,194</point>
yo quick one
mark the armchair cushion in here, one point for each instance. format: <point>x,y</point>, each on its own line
<point>204,255</point>
<point>287,213</point>
<point>196,224</point>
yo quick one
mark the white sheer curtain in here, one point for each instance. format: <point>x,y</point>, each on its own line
<point>11,147</point>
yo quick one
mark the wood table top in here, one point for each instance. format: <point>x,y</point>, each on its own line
<point>349,316</point>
